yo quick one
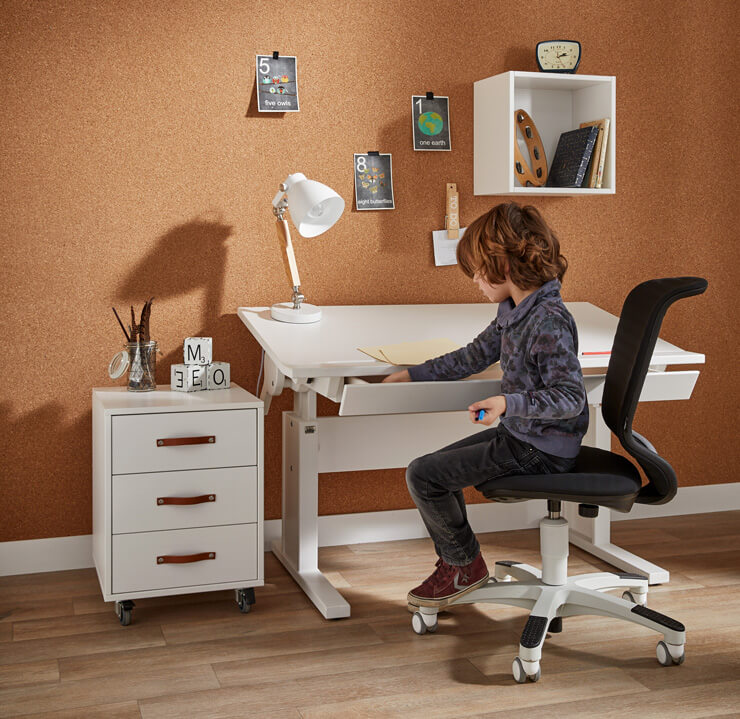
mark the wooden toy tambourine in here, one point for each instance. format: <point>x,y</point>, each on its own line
<point>537,175</point>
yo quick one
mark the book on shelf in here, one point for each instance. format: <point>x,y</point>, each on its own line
<point>598,156</point>
<point>572,155</point>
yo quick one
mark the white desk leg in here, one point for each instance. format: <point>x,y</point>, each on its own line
<point>298,549</point>
<point>593,535</point>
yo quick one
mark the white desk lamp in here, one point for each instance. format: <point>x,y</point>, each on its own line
<point>314,208</point>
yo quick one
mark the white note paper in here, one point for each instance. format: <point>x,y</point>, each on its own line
<point>444,248</point>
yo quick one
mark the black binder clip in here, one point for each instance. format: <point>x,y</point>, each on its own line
<point>430,96</point>
<point>374,152</point>
<point>275,54</point>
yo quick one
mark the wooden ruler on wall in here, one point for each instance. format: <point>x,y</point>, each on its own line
<point>452,217</point>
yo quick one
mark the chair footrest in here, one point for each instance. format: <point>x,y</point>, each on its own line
<point>631,575</point>
<point>534,631</point>
<point>659,618</point>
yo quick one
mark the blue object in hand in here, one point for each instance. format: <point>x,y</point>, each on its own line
<point>481,414</point>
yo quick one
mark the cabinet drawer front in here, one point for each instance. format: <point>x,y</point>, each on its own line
<point>134,558</point>
<point>148,502</point>
<point>135,446</point>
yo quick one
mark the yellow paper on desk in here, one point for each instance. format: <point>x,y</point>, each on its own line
<point>411,353</point>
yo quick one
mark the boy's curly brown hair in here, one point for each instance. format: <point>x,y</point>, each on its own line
<point>517,235</point>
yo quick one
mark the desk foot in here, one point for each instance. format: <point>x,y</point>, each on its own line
<point>620,558</point>
<point>316,586</point>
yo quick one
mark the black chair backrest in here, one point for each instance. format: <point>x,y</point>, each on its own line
<point>634,342</point>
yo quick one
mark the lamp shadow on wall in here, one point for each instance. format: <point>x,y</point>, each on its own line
<point>191,256</point>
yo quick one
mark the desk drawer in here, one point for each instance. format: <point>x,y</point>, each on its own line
<point>135,567</point>
<point>364,398</point>
<point>135,446</point>
<point>148,502</point>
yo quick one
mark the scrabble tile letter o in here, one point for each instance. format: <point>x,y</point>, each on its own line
<point>219,375</point>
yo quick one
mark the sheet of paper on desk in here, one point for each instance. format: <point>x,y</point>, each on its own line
<point>444,248</point>
<point>411,353</point>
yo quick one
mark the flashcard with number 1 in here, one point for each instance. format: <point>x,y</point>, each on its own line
<point>430,115</point>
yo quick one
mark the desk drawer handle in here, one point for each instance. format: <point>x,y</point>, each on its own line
<point>187,500</point>
<point>179,441</point>
<point>185,558</point>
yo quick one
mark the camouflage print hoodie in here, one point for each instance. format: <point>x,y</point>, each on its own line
<point>537,343</point>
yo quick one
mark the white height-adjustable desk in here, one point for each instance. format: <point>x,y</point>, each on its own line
<point>382,426</point>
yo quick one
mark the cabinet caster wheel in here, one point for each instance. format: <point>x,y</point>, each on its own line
<point>640,599</point>
<point>670,654</point>
<point>520,675</point>
<point>245,599</point>
<point>123,611</point>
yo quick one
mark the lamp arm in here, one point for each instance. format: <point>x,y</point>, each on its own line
<point>292,269</point>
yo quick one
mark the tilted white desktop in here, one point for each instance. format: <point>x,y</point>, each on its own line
<point>383,426</point>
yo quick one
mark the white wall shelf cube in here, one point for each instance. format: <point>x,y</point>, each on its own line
<point>556,103</point>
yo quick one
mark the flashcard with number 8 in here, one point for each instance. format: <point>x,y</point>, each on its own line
<point>374,181</point>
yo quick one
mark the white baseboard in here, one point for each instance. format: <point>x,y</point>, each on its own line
<point>59,553</point>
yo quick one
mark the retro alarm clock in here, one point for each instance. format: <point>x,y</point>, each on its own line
<point>558,55</point>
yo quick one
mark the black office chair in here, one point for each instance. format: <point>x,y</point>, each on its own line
<point>599,479</point>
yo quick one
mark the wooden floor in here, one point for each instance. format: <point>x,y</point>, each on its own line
<point>63,652</point>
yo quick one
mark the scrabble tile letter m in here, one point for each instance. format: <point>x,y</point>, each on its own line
<point>198,350</point>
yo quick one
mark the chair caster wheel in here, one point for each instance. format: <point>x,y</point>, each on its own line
<point>520,674</point>
<point>669,654</point>
<point>423,623</point>
<point>417,623</point>
<point>640,599</point>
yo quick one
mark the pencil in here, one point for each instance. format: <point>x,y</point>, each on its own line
<point>128,339</point>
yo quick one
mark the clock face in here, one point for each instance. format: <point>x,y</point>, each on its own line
<point>558,55</point>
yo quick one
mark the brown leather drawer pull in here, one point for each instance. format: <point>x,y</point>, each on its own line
<point>187,500</point>
<point>179,441</point>
<point>185,558</point>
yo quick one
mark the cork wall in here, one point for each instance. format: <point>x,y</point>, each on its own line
<point>135,164</point>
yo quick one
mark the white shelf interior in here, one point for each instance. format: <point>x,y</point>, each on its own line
<point>556,104</point>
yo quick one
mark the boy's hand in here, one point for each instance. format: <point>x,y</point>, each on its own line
<point>494,407</point>
<point>402,376</point>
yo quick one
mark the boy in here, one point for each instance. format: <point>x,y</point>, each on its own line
<point>514,258</point>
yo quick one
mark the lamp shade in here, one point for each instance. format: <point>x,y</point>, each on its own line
<point>314,207</point>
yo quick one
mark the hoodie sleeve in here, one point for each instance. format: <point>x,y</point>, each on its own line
<point>563,396</point>
<point>481,353</point>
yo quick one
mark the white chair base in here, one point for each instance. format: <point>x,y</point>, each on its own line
<point>521,585</point>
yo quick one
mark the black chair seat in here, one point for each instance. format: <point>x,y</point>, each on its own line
<point>599,477</point>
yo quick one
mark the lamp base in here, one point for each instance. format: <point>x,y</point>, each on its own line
<point>284,312</point>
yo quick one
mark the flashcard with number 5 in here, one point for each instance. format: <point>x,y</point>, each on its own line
<point>277,83</point>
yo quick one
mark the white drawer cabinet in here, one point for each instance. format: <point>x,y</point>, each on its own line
<point>177,494</point>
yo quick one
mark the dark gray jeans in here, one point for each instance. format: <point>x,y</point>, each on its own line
<point>436,481</point>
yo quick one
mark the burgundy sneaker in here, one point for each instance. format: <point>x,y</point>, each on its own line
<point>449,583</point>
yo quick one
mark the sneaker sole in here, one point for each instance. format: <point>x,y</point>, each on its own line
<point>414,601</point>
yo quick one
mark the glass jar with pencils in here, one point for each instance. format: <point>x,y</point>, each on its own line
<point>140,359</point>
<point>139,355</point>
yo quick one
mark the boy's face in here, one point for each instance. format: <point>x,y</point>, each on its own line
<point>495,293</point>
